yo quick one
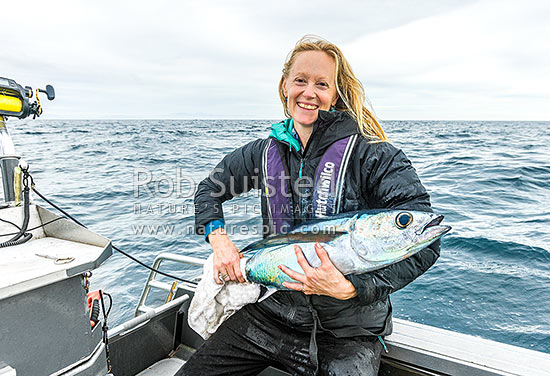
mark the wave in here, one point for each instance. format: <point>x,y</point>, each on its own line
<point>489,256</point>
<point>503,249</point>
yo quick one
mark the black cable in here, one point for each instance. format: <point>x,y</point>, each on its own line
<point>34,228</point>
<point>150,268</point>
<point>26,210</point>
<point>114,247</point>
<point>22,236</point>
<point>105,329</point>
<point>57,207</point>
<point>110,303</point>
<point>11,223</point>
<point>47,223</point>
<point>25,238</point>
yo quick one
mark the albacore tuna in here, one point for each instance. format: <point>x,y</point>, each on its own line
<point>356,242</point>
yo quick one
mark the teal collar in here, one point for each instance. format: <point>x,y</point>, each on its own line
<point>283,132</point>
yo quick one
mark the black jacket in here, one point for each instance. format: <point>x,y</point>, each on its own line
<point>379,176</point>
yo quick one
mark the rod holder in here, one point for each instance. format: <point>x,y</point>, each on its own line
<point>8,162</point>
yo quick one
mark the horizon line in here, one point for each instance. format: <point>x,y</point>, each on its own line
<point>267,119</point>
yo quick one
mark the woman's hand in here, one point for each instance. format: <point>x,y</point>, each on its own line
<point>227,258</point>
<point>324,280</point>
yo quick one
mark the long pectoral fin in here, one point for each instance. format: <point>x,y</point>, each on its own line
<point>293,238</point>
<point>337,224</point>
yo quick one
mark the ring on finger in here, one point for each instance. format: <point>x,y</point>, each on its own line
<point>225,276</point>
<point>303,288</point>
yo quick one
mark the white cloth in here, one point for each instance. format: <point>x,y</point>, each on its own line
<point>213,303</point>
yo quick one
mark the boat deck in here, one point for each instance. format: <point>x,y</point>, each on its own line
<point>23,270</point>
<point>413,349</point>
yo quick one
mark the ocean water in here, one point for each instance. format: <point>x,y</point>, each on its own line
<point>132,181</point>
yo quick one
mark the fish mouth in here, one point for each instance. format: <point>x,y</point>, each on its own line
<point>433,225</point>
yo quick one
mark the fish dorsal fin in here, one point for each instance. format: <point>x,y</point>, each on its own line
<point>293,238</point>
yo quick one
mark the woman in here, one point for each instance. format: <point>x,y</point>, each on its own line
<point>330,155</point>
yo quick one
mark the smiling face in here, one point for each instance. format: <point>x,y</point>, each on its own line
<point>310,86</point>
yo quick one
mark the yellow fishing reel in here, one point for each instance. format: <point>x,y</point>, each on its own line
<point>15,99</point>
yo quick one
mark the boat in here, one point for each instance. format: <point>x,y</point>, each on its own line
<point>51,324</point>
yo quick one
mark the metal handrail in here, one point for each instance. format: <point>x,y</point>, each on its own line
<point>136,321</point>
<point>151,282</point>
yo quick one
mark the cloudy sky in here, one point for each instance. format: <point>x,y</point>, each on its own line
<point>423,59</point>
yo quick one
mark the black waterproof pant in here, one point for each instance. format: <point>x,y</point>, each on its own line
<point>248,342</point>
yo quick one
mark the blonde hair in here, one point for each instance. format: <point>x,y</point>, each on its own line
<point>351,95</point>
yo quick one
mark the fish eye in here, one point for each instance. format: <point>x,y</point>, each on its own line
<point>403,219</point>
